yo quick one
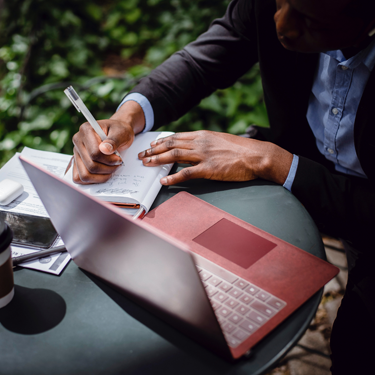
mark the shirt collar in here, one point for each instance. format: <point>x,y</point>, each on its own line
<point>366,56</point>
<point>369,59</point>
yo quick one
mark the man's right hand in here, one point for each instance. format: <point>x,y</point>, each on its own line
<point>94,160</point>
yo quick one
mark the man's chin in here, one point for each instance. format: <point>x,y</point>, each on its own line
<point>287,46</point>
<point>297,48</point>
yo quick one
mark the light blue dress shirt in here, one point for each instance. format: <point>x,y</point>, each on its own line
<point>333,105</point>
<point>336,93</point>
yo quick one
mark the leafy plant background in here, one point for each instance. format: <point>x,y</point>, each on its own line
<point>102,47</point>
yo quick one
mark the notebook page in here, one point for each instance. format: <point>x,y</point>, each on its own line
<point>133,182</point>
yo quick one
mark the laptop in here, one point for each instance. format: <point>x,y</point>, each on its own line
<point>225,294</point>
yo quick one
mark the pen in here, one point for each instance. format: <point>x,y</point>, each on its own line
<point>81,107</point>
<point>37,255</point>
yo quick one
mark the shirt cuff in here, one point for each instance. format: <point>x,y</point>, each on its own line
<point>292,173</point>
<point>146,107</point>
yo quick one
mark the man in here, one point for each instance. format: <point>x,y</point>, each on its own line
<point>319,91</point>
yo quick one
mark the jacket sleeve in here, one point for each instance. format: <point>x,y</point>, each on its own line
<point>214,61</point>
<point>340,205</point>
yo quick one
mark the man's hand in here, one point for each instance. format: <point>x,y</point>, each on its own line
<point>219,156</point>
<point>94,160</point>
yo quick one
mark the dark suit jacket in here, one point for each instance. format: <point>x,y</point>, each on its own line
<point>340,205</point>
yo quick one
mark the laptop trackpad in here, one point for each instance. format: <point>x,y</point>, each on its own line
<point>234,243</point>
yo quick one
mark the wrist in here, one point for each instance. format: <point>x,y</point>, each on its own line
<point>275,164</point>
<point>131,114</point>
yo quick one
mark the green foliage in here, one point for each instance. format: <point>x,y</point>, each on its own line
<point>45,46</point>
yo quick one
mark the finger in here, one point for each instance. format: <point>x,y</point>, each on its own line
<point>86,141</point>
<point>185,174</point>
<point>119,138</point>
<point>76,178</point>
<point>177,136</point>
<point>81,175</point>
<point>168,145</point>
<point>93,166</point>
<point>176,155</point>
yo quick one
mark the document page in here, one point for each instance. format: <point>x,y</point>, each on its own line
<point>51,264</point>
<point>29,202</point>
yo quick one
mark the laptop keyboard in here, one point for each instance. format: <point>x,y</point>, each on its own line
<point>240,307</point>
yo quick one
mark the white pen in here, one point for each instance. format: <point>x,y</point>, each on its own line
<point>81,107</point>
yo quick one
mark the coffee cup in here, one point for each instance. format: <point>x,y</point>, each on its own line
<point>6,267</point>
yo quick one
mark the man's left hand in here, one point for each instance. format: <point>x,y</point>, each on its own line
<point>218,156</point>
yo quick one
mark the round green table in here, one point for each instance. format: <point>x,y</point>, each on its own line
<point>76,324</point>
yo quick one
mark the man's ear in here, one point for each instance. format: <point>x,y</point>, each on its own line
<point>371,28</point>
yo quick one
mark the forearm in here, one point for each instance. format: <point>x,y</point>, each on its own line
<point>215,60</point>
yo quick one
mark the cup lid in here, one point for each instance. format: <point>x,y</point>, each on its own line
<point>6,236</point>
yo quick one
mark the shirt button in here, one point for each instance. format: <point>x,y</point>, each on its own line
<point>335,111</point>
<point>330,151</point>
<point>343,67</point>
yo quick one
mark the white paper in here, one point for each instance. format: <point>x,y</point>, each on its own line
<point>134,182</point>
<point>29,202</point>
<point>51,264</point>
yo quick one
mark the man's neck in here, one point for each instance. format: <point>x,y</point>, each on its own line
<point>352,51</point>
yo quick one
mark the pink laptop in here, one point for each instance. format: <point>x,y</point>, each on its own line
<point>214,277</point>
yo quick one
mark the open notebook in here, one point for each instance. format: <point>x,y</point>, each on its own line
<point>133,184</point>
